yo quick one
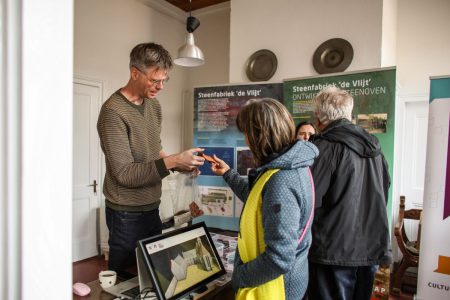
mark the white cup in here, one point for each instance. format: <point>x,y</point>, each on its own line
<point>107,278</point>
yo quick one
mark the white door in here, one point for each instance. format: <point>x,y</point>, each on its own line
<point>414,152</point>
<point>415,131</point>
<point>86,169</point>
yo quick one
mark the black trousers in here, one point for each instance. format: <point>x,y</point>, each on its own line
<point>327,282</point>
<point>125,229</point>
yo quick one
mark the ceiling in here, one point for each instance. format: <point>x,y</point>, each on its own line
<point>195,4</point>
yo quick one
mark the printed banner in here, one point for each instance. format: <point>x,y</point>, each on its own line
<point>215,112</point>
<point>434,261</point>
<point>373,92</point>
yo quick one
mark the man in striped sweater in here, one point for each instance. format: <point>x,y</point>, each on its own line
<point>129,127</point>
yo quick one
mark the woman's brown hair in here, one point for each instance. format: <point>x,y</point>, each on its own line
<point>268,126</point>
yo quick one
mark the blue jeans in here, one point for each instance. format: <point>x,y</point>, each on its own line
<point>327,282</point>
<point>125,229</point>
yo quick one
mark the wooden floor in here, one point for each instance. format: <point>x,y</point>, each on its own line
<point>87,270</point>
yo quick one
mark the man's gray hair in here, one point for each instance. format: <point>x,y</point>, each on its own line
<point>332,103</point>
<point>147,55</point>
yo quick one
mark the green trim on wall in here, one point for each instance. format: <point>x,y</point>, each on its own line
<point>439,87</point>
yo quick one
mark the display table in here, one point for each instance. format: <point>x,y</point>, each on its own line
<point>215,292</point>
<point>97,293</point>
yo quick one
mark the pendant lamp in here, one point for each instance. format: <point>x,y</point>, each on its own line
<point>190,55</point>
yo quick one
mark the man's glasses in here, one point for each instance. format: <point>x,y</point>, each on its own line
<point>153,81</point>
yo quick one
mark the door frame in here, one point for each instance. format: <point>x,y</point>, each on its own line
<point>77,79</point>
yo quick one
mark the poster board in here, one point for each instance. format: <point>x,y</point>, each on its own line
<point>373,92</point>
<point>215,111</point>
<point>434,260</point>
<point>216,108</point>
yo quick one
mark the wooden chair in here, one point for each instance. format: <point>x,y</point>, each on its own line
<point>409,249</point>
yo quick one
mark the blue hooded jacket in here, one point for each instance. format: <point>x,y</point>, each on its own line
<point>286,207</point>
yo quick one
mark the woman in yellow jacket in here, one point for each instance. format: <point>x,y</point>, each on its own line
<point>274,232</point>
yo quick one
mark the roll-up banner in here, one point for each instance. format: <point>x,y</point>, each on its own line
<point>215,130</point>
<point>434,260</point>
<point>373,92</point>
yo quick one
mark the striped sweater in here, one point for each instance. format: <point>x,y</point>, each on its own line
<point>130,139</point>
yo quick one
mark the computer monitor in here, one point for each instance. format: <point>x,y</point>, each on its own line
<point>182,261</point>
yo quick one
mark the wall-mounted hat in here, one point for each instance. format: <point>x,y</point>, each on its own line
<point>333,55</point>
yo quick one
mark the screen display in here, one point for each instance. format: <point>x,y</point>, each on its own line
<point>182,261</point>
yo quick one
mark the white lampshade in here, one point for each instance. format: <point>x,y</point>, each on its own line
<point>189,55</point>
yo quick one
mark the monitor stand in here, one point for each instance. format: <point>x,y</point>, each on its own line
<point>199,291</point>
<point>125,275</point>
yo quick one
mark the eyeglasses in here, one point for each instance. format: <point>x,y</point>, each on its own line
<point>153,81</point>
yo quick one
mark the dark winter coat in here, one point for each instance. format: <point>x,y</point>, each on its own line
<point>351,178</point>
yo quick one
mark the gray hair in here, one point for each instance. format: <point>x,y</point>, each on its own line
<point>332,103</point>
<point>147,55</point>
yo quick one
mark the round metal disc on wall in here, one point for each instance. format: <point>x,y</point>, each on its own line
<point>333,55</point>
<point>261,65</point>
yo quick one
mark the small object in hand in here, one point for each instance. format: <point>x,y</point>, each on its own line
<point>208,158</point>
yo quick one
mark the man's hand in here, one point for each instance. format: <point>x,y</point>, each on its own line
<point>186,161</point>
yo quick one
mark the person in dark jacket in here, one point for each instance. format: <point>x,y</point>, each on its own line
<point>350,229</point>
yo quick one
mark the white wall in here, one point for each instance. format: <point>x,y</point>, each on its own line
<point>293,29</point>
<point>105,33</point>
<point>389,33</point>
<point>213,38</point>
<point>423,43</point>
<point>423,47</point>
<point>46,150</point>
